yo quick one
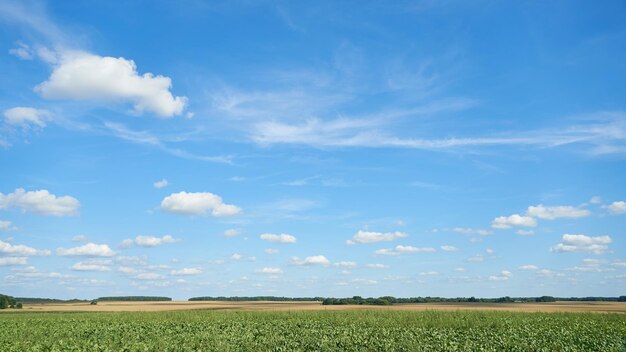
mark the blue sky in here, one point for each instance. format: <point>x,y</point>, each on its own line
<point>332,149</point>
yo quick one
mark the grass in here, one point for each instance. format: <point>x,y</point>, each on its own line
<point>365,330</point>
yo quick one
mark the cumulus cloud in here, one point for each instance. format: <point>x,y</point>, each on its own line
<point>5,261</point>
<point>269,271</point>
<point>40,202</point>
<point>313,260</point>
<point>449,248</point>
<point>345,264</point>
<point>525,232</point>
<point>26,117</point>
<point>468,231</point>
<point>618,207</point>
<point>22,51</point>
<point>197,203</point>
<point>6,225</point>
<point>235,256</point>
<point>161,184</point>
<point>529,267</point>
<point>503,276</point>
<point>79,238</point>
<point>377,266</point>
<point>148,276</point>
<point>403,249</point>
<point>20,250</point>
<point>582,243</point>
<point>187,271</point>
<point>278,238</point>
<point>372,237</point>
<point>231,232</point>
<point>504,222</point>
<point>550,213</point>
<point>87,250</point>
<point>148,241</point>
<point>92,265</point>
<point>84,76</point>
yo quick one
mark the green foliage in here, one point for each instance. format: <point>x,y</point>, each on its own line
<point>7,302</point>
<point>257,298</point>
<point>36,300</point>
<point>362,330</point>
<point>135,298</point>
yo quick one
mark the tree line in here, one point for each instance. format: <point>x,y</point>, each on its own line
<point>9,302</point>
<point>134,298</point>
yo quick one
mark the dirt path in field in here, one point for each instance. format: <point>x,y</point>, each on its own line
<point>600,307</point>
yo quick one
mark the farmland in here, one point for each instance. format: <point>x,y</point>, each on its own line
<point>363,329</point>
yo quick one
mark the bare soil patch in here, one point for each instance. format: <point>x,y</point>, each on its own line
<point>598,307</point>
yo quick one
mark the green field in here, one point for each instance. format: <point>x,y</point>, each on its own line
<point>312,331</point>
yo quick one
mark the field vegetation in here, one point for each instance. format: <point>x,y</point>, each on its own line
<point>358,330</point>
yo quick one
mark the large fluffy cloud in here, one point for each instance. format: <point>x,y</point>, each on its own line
<point>505,222</point>
<point>88,250</point>
<point>372,237</point>
<point>313,260</point>
<point>556,212</point>
<point>41,202</point>
<point>26,117</point>
<point>278,238</point>
<point>4,261</point>
<point>186,271</point>
<point>85,76</point>
<point>197,203</point>
<point>20,250</point>
<point>582,243</point>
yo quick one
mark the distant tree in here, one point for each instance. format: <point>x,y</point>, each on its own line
<point>4,302</point>
<point>18,305</point>
<point>621,299</point>
<point>94,302</point>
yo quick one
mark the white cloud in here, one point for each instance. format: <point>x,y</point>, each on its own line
<point>79,238</point>
<point>619,264</point>
<point>6,225</point>
<point>468,231</point>
<point>89,250</point>
<point>26,117</point>
<point>4,261</point>
<point>85,76</point>
<point>529,267</point>
<point>372,237</point>
<point>148,241</point>
<point>92,265</point>
<point>504,275</point>
<point>582,243</point>
<point>148,276</point>
<point>269,271</point>
<point>403,249</point>
<point>313,260</point>
<point>187,271</point>
<point>271,251</point>
<point>345,264</point>
<point>504,222</point>
<point>595,200</point>
<point>449,248</point>
<point>489,251</point>
<point>278,238</point>
<point>556,212</point>
<point>525,232</point>
<point>20,250</point>
<point>161,184</point>
<point>478,258</point>
<point>428,273</point>
<point>411,249</point>
<point>618,207</point>
<point>231,232</point>
<point>197,203</point>
<point>235,256</point>
<point>40,202</point>
<point>22,51</point>
<point>377,266</point>
<point>460,269</point>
